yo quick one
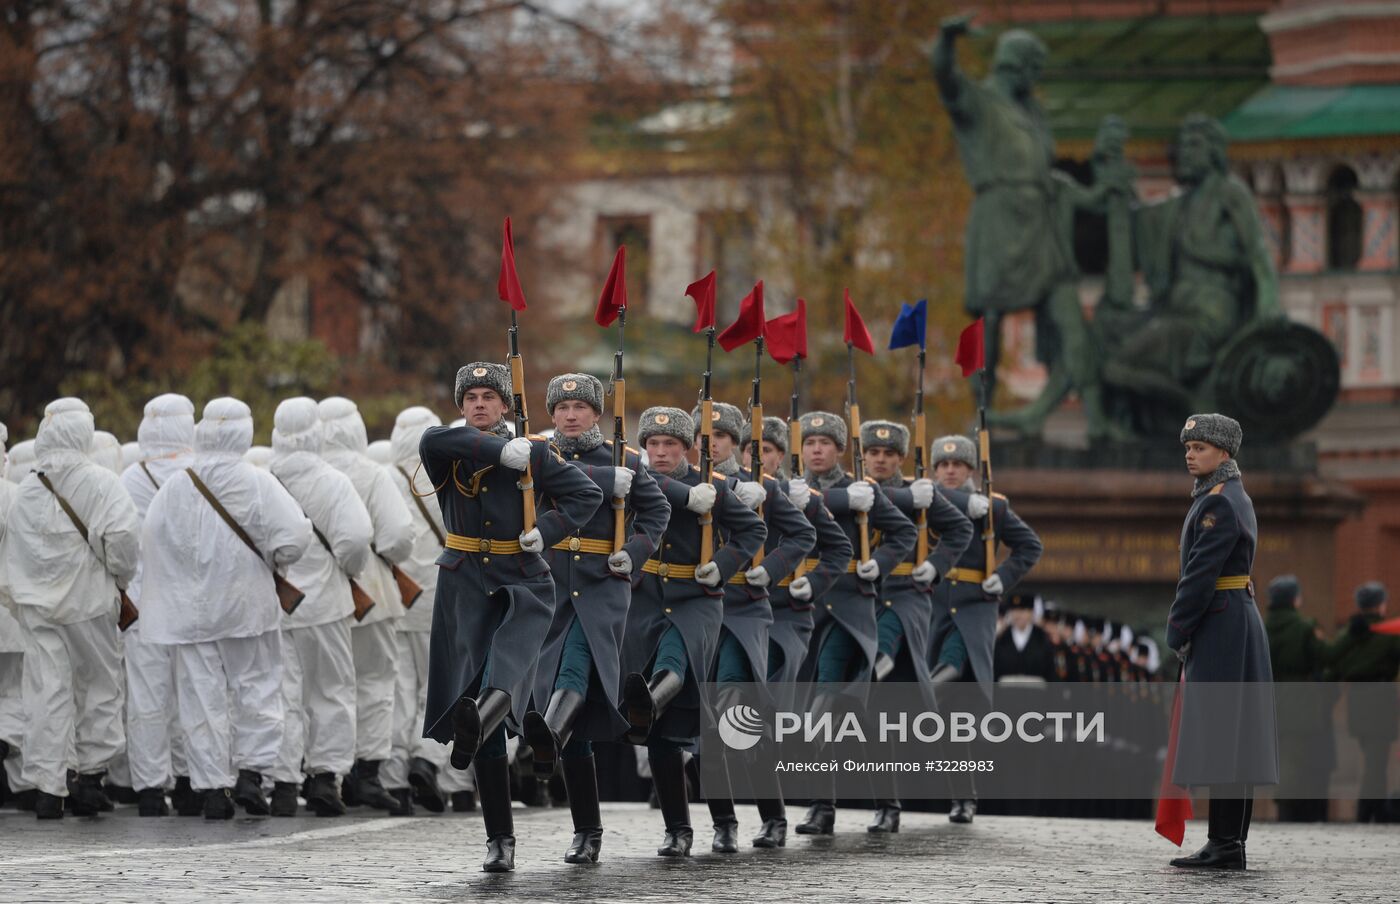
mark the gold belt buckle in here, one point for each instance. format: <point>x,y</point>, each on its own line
<point>485,545</point>
<point>573,544</point>
<point>663,569</point>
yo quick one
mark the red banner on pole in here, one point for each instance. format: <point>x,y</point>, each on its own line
<point>972,355</point>
<point>508,283</point>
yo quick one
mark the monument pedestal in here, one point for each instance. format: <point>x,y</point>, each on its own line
<point>1110,520</point>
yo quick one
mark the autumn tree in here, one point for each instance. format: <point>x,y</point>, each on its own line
<point>171,168</point>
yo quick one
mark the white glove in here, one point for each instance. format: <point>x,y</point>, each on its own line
<point>869,570</point>
<point>758,576</point>
<point>922,491</point>
<point>992,586</point>
<point>862,496</point>
<point>532,541</point>
<point>701,498</point>
<point>622,482</point>
<point>801,589</point>
<point>750,493</point>
<point>620,563</point>
<point>925,573</point>
<point>799,494</point>
<point>707,574</point>
<point>977,505</point>
<point>516,454</point>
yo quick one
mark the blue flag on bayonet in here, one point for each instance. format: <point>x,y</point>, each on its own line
<point>911,325</point>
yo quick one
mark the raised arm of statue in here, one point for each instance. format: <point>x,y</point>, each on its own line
<point>952,84</point>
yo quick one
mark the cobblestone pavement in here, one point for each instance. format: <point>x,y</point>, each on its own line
<point>437,858</point>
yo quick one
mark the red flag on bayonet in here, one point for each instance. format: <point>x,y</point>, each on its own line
<point>748,326</point>
<point>508,283</point>
<point>856,333</point>
<point>972,346</point>
<point>703,291</point>
<point>787,334</point>
<point>1173,803</point>
<point>1387,627</point>
<point>614,297</point>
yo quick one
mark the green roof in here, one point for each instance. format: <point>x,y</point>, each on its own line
<point>1294,111</point>
<point>1151,71</point>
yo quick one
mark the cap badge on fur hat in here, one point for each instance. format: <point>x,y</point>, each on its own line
<point>663,419</point>
<point>570,385</point>
<point>883,433</point>
<point>1191,424</point>
<point>818,421</point>
<point>479,372</point>
<point>950,447</point>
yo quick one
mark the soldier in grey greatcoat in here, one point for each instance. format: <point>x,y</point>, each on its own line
<point>578,684</point>
<point>495,597</point>
<point>673,625</point>
<point>1229,738</point>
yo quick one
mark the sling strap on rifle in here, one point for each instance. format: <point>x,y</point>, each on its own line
<point>363,601</point>
<point>288,596</point>
<point>127,614</point>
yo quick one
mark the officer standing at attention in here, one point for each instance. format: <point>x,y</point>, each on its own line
<point>1215,628</point>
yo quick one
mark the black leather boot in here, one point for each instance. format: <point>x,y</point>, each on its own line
<point>248,793</point>
<point>581,780</point>
<point>322,796</point>
<point>1223,848</point>
<point>886,820</point>
<point>473,721</point>
<point>218,803</point>
<point>547,734</point>
<point>463,801</point>
<point>668,772</point>
<point>284,799</point>
<point>726,825</point>
<point>369,789</point>
<point>403,802</point>
<point>644,702</point>
<point>186,800</point>
<point>86,797</point>
<point>820,819</point>
<point>493,785</point>
<point>120,794</point>
<point>48,806</point>
<point>774,831</point>
<point>151,802</point>
<point>963,810</point>
<point>422,778</point>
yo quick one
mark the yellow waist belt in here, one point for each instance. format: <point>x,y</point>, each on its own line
<point>482,544</point>
<point>904,568</point>
<point>669,569</point>
<point>1233,582</point>
<point>585,544</point>
<point>807,565</point>
<point>970,575</point>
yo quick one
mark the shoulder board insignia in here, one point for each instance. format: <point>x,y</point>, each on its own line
<point>632,450</point>
<point>1217,489</point>
<point>996,495</point>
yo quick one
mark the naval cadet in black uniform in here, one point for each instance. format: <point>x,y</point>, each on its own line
<point>905,607</point>
<point>1230,744</point>
<point>748,614</point>
<point>673,625</point>
<point>965,602</point>
<point>846,637</point>
<point>578,682</point>
<point>495,597</point>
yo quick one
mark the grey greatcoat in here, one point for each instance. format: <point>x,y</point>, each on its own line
<point>791,631</point>
<point>959,599</point>
<point>493,607</point>
<point>748,613</point>
<point>950,533</point>
<point>660,601</point>
<point>585,589</point>
<point>850,602</point>
<point>1228,732</point>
